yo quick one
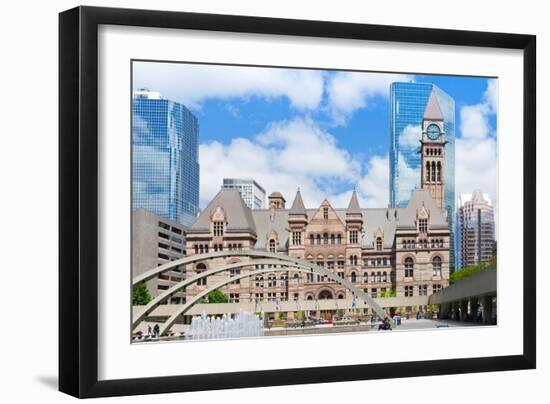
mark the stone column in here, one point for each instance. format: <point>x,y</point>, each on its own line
<point>487,309</point>
<point>445,310</point>
<point>473,307</point>
<point>453,311</point>
<point>463,309</point>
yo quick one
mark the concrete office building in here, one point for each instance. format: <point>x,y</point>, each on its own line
<point>156,241</point>
<point>252,193</point>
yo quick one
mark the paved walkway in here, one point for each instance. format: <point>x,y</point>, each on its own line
<point>423,324</point>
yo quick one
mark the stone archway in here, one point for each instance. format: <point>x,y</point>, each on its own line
<point>325,294</point>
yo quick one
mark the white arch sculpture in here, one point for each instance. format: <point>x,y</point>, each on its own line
<point>180,285</point>
<point>283,261</point>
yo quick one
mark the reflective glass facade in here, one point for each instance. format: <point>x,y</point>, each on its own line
<point>165,167</point>
<point>407,104</point>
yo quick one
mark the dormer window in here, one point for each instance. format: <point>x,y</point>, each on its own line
<point>218,229</point>
<point>378,244</point>
<point>423,225</point>
<point>325,213</point>
<point>272,246</point>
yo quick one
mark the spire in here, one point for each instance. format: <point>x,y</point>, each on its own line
<point>433,110</point>
<point>353,206</point>
<point>298,207</point>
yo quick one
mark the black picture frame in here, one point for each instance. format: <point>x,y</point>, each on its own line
<point>78,200</point>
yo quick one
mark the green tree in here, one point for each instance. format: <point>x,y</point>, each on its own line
<point>217,296</point>
<point>469,271</point>
<point>388,293</point>
<point>140,294</point>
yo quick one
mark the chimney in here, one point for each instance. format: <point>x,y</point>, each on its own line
<point>276,200</point>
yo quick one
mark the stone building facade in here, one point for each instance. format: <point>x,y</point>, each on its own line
<point>380,250</point>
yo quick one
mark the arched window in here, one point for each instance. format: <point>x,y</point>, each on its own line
<point>353,277</point>
<point>428,171</point>
<point>309,297</point>
<point>378,244</point>
<point>438,171</point>
<point>296,279</point>
<point>378,277</point>
<point>433,171</point>
<point>409,267</point>
<point>384,276</point>
<point>311,239</point>
<point>339,238</point>
<point>201,268</point>
<point>365,277</point>
<point>436,263</point>
<point>318,239</point>
<point>340,296</point>
<point>332,239</point>
<point>272,246</point>
<point>325,238</point>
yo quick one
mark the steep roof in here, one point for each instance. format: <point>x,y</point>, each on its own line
<point>298,207</point>
<point>353,206</point>
<point>421,198</point>
<point>433,110</point>
<point>263,221</point>
<point>238,215</point>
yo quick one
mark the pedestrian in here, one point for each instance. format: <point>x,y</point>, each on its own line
<point>149,330</point>
<point>156,329</point>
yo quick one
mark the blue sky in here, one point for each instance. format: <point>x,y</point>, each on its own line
<point>326,132</point>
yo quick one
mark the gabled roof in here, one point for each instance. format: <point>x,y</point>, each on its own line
<point>433,110</point>
<point>421,198</point>
<point>353,206</point>
<point>298,207</point>
<point>238,215</point>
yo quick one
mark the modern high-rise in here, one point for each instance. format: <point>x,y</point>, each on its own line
<point>165,166</point>
<point>408,102</point>
<point>252,193</point>
<point>476,229</point>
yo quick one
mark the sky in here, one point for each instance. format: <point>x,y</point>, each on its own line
<point>324,131</point>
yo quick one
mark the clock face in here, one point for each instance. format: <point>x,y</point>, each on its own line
<point>433,132</point>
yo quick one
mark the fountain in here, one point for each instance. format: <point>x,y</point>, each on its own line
<point>243,324</point>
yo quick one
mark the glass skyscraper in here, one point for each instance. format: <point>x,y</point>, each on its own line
<point>165,167</point>
<point>407,105</point>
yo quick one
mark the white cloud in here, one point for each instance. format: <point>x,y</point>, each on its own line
<point>373,188</point>
<point>193,84</point>
<point>476,150</point>
<point>349,91</point>
<point>294,154</point>
<point>474,121</point>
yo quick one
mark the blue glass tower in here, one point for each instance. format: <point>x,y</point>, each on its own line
<point>165,167</point>
<point>407,105</point>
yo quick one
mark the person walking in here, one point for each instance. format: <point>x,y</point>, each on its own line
<point>156,329</point>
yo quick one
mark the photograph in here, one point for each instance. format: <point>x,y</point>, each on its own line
<point>276,201</point>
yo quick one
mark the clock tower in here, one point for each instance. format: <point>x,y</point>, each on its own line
<point>433,151</point>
